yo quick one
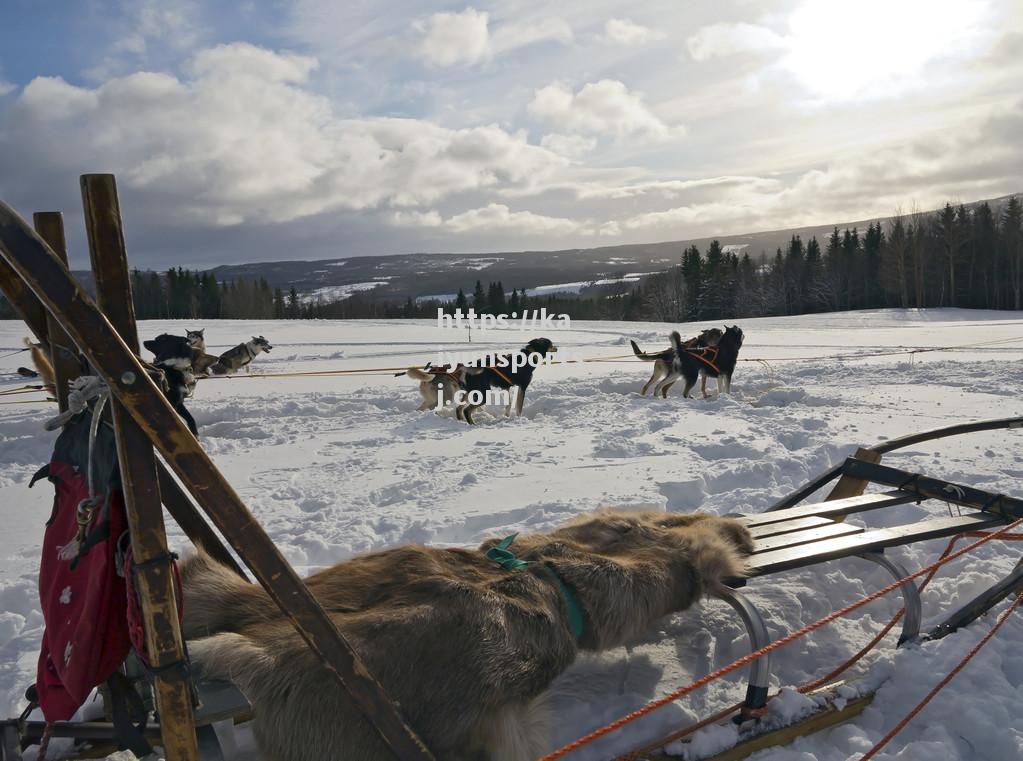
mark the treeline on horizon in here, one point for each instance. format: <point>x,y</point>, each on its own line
<point>955,257</point>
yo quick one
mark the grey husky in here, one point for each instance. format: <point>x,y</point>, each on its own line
<point>233,360</point>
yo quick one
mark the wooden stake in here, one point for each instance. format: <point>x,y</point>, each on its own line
<point>849,486</point>
<point>63,353</point>
<point>115,362</point>
<point>177,502</point>
<point>154,579</point>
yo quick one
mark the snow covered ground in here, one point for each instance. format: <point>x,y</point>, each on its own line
<point>338,465</point>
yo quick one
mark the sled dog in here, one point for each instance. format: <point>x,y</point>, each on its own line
<point>451,380</point>
<point>233,360</point>
<point>662,359</point>
<point>196,339</point>
<point>717,362</point>
<point>510,372</point>
<point>174,355</point>
<point>466,647</point>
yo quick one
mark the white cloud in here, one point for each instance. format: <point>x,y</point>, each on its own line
<point>719,40</point>
<point>979,162</point>
<point>508,37</point>
<point>465,38</point>
<point>493,218</point>
<point>496,216</point>
<point>6,87</point>
<point>417,218</point>
<point>573,146</point>
<point>453,38</point>
<point>624,32</point>
<point>670,188</point>
<point>244,139</point>
<point>604,108</point>
<point>141,26</point>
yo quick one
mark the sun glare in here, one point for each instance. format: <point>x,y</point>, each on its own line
<point>841,50</point>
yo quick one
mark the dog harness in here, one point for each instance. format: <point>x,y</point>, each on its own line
<point>701,354</point>
<point>449,373</point>
<point>507,559</point>
<point>503,376</point>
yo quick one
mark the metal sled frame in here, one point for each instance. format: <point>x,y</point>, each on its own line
<point>67,322</point>
<point>787,538</point>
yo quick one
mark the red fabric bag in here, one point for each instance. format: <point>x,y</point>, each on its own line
<point>83,602</point>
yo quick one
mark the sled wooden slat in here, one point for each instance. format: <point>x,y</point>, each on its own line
<point>834,508</point>
<point>154,578</point>
<point>807,536</point>
<point>868,541</point>
<point>784,527</point>
<point>63,354</point>
<point>121,369</point>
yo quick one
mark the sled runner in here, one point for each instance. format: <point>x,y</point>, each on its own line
<point>797,537</point>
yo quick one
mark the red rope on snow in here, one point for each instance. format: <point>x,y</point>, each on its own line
<point>948,678</point>
<point>756,654</point>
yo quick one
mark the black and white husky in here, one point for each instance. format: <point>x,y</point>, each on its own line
<point>714,361</point>
<point>233,360</point>
<point>662,360</point>
<point>173,355</point>
<point>510,373</point>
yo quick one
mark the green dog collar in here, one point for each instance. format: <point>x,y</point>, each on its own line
<point>504,557</point>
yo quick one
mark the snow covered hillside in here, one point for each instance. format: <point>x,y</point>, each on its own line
<point>338,465</point>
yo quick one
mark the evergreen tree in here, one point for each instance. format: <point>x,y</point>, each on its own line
<point>479,298</point>
<point>1012,237</point>
<point>496,303</point>
<point>461,302</point>
<point>692,280</point>
<point>813,276</point>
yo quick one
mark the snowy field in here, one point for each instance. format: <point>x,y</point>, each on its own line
<point>337,465</point>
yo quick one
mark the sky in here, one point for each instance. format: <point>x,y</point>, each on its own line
<point>310,129</point>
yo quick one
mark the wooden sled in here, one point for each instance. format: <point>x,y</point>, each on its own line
<point>789,538</point>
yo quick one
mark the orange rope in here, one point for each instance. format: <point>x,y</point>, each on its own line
<point>948,678</point>
<point>740,662</point>
<point>634,755</point>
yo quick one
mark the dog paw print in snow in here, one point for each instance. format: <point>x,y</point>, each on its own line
<point>65,596</point>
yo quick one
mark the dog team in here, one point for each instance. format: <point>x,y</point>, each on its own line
<point>490,629</point>
<point>714,353</point>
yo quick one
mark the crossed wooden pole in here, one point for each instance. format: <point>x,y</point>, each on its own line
<point>35,278</point>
